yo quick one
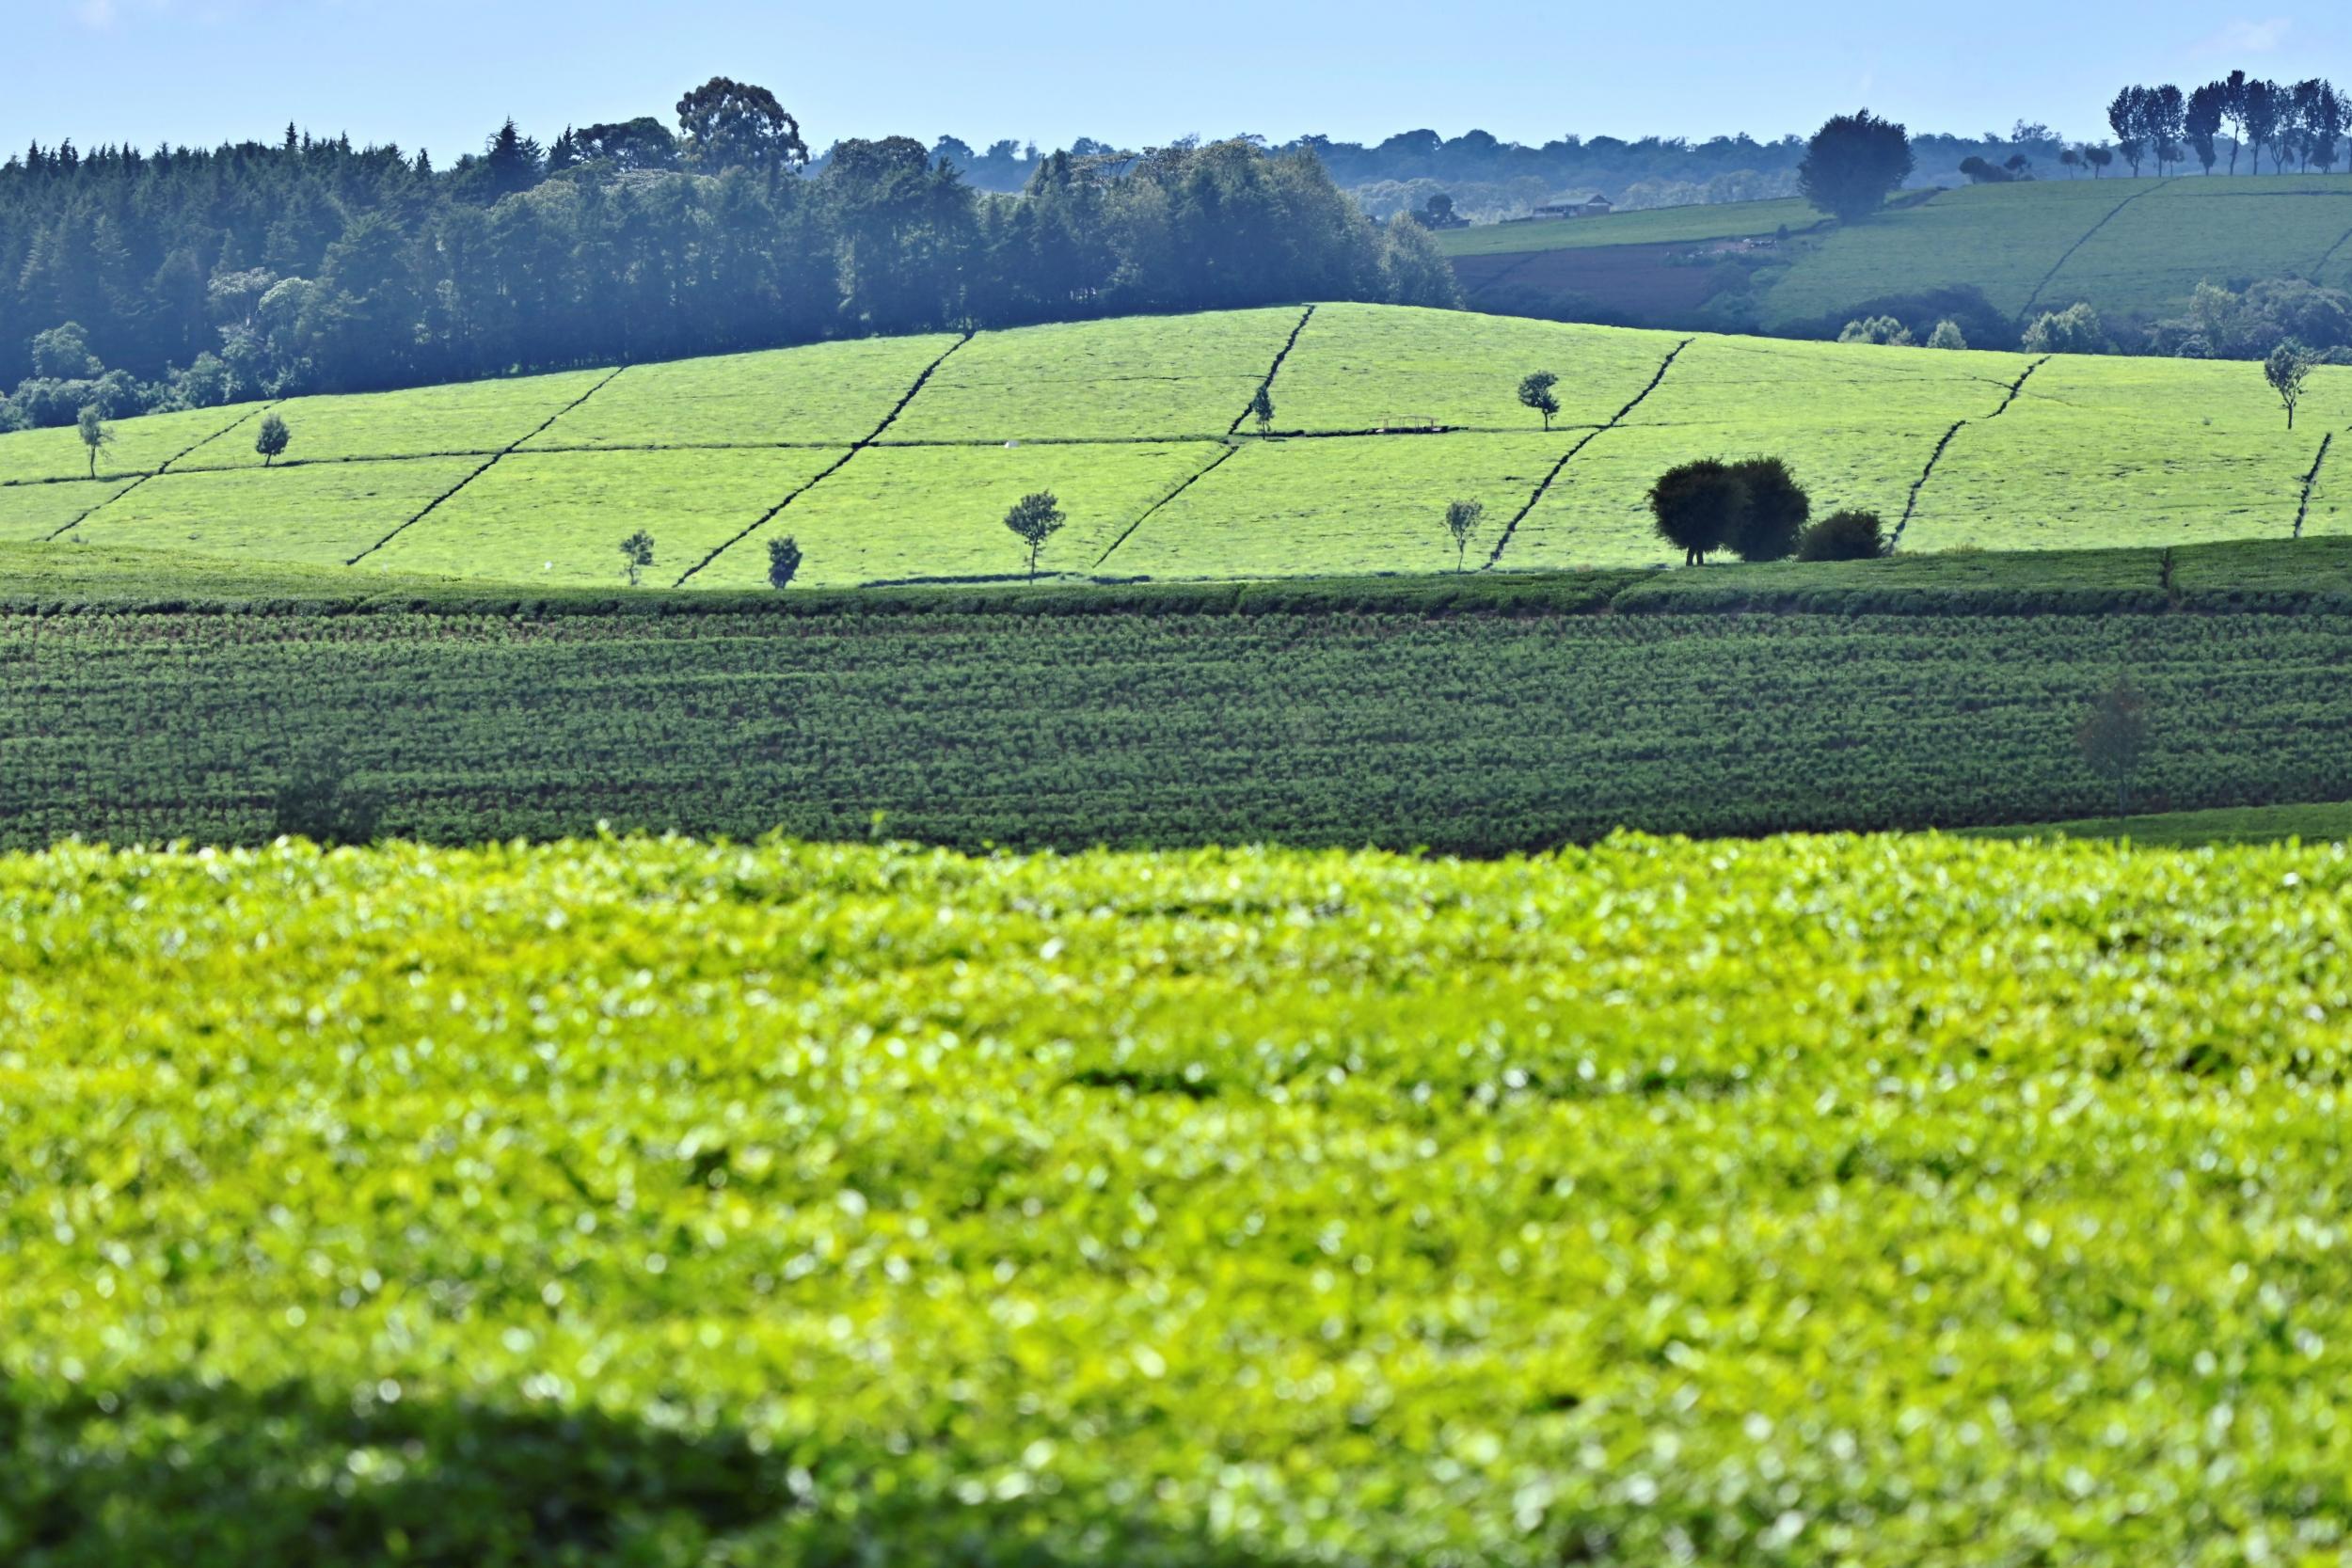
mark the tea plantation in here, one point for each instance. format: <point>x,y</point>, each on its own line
<point>1860,1200</point>
<point>1480,714</point>
<point>2132,248</point>
<point>893,459</point>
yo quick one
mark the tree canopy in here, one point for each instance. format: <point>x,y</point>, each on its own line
<point>1852,164</point>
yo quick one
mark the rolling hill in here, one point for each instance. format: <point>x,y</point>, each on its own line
<point>895,459</point>
<point>2134,249</point>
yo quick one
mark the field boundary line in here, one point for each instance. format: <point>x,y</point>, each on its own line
<point>2328,255</point>
<point>2035,297</point>
<point>435,504</point>
<point>159,469</point>
<point>1275,370</point>
<point>2019,384</point>
<point>1910,502</point>
<point>836,467</point>
<point>2303,507</point>
<point>1190,480</point>
<point>1544,485</point>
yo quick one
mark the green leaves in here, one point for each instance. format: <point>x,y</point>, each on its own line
<point>1870,1200</point>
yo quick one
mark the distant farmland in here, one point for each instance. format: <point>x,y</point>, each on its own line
<point>2131,247</point>
<point>890,459</point>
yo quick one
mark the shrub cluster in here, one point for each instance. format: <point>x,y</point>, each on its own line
<point>1755,508</point>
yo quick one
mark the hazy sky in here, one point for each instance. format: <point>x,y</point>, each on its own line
<point>440,73</point>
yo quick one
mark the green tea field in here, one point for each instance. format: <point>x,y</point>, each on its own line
<point>894,459</point>
<point>2134,249</point>
<point>147,699</point>
<point>1870,1201</point>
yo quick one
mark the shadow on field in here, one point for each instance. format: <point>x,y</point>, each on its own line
<point>171,1472</point>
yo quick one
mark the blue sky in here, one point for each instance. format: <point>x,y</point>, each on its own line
<point>440,73</point>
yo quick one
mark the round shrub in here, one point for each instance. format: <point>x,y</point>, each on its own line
<point>1844,536</point>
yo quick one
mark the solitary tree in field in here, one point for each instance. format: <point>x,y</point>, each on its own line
<point>1262,409</point>
<point>1697,507</point>
<point>2113,737</point>
<point>1034,519</point>
<point>636,554</point>
<point>1776,511</point>
<point>1536,391</point>
<point>784,561</point>
<point>2098,158</point>
<point>94,434</point>
<point>2286,370</point>
<point>1461,520</point>
<point>1852,163</point>
<point>273,439</point>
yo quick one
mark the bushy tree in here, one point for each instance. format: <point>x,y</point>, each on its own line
<point>2113,737</point>
<point>1696,507</point>
<point>1461,521</point>
<point>1852,164</point>
<point>1844,536</point>
<point>1413,271</point>
<point>1034,519</point>
<point>2264,108</point>
<point>1535,392</point>
<point>730,124</point>
<point>1947,335</point>
<point>784,561</point>
<point>94,434</point>
<point>1885,330</point>
<point>272,439</point>
<point>642,143</point>
<point>636,554</point>
<point>2202,121</point>
<point>62,353</point>
<point>2075,329</point>
<point>1777,509</point>
<point>2286,370</point>
<point>2127,117</point>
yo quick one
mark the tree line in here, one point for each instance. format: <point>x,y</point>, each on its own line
<point>187,277</point>
<point>2302,124</point>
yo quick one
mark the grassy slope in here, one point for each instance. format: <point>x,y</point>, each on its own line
<point>2133,247</point>
<point>1715,221</point>
<point>1481,713</point>
<point>1127,422</point>
<point>1883,1202</point>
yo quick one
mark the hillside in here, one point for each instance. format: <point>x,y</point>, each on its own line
<point>2134,249</point>
<point>1882,1201</point>
<point>890,459</point>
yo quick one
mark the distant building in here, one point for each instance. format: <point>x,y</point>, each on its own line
<point>1594,206</point>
